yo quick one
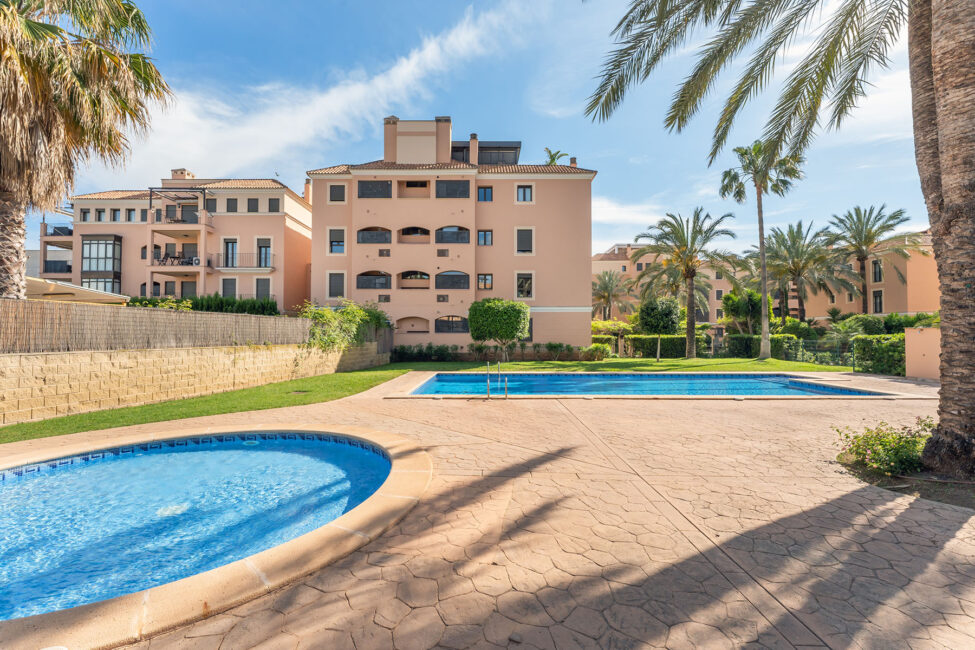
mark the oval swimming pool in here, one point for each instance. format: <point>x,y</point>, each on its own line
<point>90,527</point>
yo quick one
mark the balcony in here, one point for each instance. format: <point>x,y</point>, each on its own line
<point>180,260</point>
<point>185,218</point>
<point>57,266</point>
<point>243,261</point>
<point>453,235</point>
<point>57,230</point>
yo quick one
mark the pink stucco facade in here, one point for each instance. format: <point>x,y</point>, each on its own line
<point>424,232</point>
<point>188,237</point>
<point>922,352</point>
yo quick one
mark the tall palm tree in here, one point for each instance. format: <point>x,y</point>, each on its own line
<point>684,244</point>
<point>800,258</point>
<point>74,80</point>
<point>610,290</point>
<point>748,272</point>
<point>668,282</point>
<point>554,156</point>
<point>763,174</point>
<point>861,234</point>
<point>850,40</point>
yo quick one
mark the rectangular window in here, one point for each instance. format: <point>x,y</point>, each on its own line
<point>443,252</point>
<point>442,297</point>
<point>383,252</point>
<point>336,193</point>
<point>143,215</point>
<point>336,241</point>
<point>719,313</point>
<point>624,268</point>
<point>170,288</point>
<point>485,237</point>
<point>102,284</point>
<point>262,288</point>
<point>274,205</point>
<point>384,297</point>
<point>231,205</point>
<point>187,289</point>
<point>210,205</point>
<point>878,271</point>
<point>375,189</point>
<point>525,193</point>
<point>485,281</point>
<point>717,275</point>
<point>130,214</point>
<point>485,194</point>
<point>524,241</point>
<point>718,294</point>
<point>102,254</point>
<point>170,249</point>
<point>264,259</point>
<point>639,266</point>
<point>453,189</point>
<point>832,299</point>
<point>252,205</point>
<point>171,213</point>
<point>99,215</point>
<point>336,285</point>
<point>228,287</point>
<point>85,215</point>
<point>229,253</point>
<point>524,285</point>
<point>878,301</point>
<point>116,214</point>
<point>849,296</point>
<point>416,183</point>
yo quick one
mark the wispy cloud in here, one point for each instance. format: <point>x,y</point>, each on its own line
<point>284,128</point>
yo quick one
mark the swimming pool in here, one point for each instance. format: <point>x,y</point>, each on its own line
<point>620,383</point>
<point>102,524</point>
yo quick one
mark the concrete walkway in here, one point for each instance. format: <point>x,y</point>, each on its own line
<point>627,524</point>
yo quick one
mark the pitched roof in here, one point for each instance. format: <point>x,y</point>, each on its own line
<point>114,194</point>
<point>532,169</point>
<point>242,184</point>
<point>382,165</point>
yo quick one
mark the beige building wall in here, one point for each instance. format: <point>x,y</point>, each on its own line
<point>922,352</point>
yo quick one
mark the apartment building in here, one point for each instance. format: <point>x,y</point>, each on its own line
<point>886,292</point>
<point>248,238</point>
<point>619,258</point>
<point>437,224</point>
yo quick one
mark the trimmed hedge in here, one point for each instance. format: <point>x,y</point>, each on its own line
<point>747,346</point>
<point>672,346</point>
<point>881,355</point>
<point>604,338</point>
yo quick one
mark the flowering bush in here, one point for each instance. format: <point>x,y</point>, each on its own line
<point>888,449</point>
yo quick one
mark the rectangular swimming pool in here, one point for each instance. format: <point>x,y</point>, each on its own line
<point>620,383</point>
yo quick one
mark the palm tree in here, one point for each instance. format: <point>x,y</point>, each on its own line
<point>800,258</point>
<point>765,175</point>
<point>680,243</point>
<point>554,156</point>
<point>610,290</point>
<point>668,282</point>
<point>861,234</point>
<point>850,39</point>
<point>70,90</point>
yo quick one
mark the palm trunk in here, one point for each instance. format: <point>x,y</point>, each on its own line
<point>13,257</point>
<point>690,347</point>
<point>942,54</point>
<point>765,349</point>
<point>784,304</point>
<point>802,307</point>
<point>862,269</point>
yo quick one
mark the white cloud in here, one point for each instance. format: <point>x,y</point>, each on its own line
<point>281,128</point>
<point>609,211</point>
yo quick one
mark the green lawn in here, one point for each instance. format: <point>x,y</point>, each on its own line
<point>325,388</point>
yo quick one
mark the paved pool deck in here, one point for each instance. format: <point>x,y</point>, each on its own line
<point>623,524</point>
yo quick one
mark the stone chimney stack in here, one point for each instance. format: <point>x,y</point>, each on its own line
<point>390,127</point>
<point>572,161</point>
<point>182,174</point>
<point>307,193</point>
<point>473,150</point>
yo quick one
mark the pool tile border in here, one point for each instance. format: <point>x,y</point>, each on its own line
<point>136,616</point>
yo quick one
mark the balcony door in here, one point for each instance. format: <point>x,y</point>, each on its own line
<point>230,252</point>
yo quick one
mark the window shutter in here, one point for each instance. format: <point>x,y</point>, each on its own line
<point>336,285</point>
<point>525,243</point>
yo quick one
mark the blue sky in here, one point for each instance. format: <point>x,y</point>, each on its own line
<point>273,89</point>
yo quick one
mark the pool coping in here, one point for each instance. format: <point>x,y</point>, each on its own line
<point>140,615</point>
<point>420,377</point>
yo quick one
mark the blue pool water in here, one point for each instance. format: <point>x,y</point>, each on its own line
<point>620,383</point>
<point>91,527</point>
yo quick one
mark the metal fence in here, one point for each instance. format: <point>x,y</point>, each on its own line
<point>824,353</point>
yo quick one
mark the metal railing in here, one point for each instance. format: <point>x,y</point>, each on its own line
<point>57,266</point>
<point>57,230</point>
<point>189,218</point>
<point>460,281</point>
<point>244,261</point>
<point>374,282</point>
<point>374,237</point>
<point>180,260</point>
<point>453,236</point>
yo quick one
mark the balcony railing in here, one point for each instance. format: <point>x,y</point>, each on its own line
<point>244,261</point>
<point>188,218</point>
<point>57,266</point>
<point>453,281</point>
<point>453,236</point>
<point>374,237</point>
<point>373,282</point>
<point>181,260</point>
<point>57,230</point>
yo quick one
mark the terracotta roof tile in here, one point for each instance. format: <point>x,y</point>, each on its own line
<point>335,169</point>
<point>532,169</point>
<point>242,184</point>
<point>382,165</point>
<point>114,194</point>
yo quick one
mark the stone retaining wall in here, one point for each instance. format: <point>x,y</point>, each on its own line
<point>45,385</point>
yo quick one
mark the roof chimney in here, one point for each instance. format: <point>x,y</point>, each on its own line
<point>572,161</point>
<point>390,127</point>
<point>307,193</point>
<point>472,153</point>
<point>182,174</point>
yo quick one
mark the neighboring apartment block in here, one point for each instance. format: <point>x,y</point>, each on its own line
<point>886,293</point>
<point>437,224</point>
<point>248,238</point>
<point>619,258</point>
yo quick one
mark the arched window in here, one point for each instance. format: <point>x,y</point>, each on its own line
<point>412,231</point>
<point>414,275</point>
<point>451,325</point>
<point>414,280</point>
<point>453,280</point>
<point>453,235</point>
<point>374,235</point>
<point>373,280</point>
<point>412,325</point>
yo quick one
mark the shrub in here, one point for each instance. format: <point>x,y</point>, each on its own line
<point>555,350</point>
<point>897,323</point>
<point>498,320</point>
<point>611,327</point>
<point>603,339</point>
<point>887,449</point>
<point>659,315</point>
<point>800,329</point>
<point>881,355</point>
<point>747,347</point>
<point>334,329</point>
<point>596,352</point>
<point>672,346</point>
<point>478,350</point>
<point>871,325</point>
<point>740,345</point>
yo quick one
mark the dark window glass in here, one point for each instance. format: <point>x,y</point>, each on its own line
<point>274,205</point>
<point>531,330</point>
<point>524,285</point>
<point>453,189</point>
<point>442,297</point>
<point>187,289</point>
<point>718,294</point>
<point>101,255</point>
<point>130,214</point>
<point>252,205</point>
<point>384,297</point>
<point>375,189</point>
<point>485,281</point>
<point>228,287</point>
<point>416,183</point>
<point>336,285</point>
<point>443,252</point>
<point>453,280</point>
<point>624,268</point>
<point>525,193</point>
<point>116,214</point>
<point>143,215</point>
<point>99,215</point>
<point>383,252</point>
<point>451,325</point>
<point>525,243</point>
<point>262,288</point>
<point>639,266</point>
<point>878,271</point>
<point>155,289</point>
<point>230,253</point>
<point>373,281</point>
<point>336,193</point>
<point>210,205</point>
<point>231,205</point>
<point>485,194</point>
<point>142,289</point>
<point>367,236</point>
<point>143,252</point>
<point>485,237</point>
<point>85,215</point>
<point>170,288</point>
<point>336,240</point>
<point>264,258</point>
<point>717,275</point>
<point>453,235</point>
<point>878,302</point>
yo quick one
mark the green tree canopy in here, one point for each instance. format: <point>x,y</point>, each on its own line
<point>498,320</point>
<point>659,315</point>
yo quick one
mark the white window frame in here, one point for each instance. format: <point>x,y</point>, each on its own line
<point>328,241</point>
<point>328,194</point>
<point>534,287</point>
<point>345,284</point>
<point>534,241</point>
<point>516,186</point>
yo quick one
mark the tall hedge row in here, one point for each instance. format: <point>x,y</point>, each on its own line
<point>748,346</point>
<point>672,346</point>
<point>881,354</point>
